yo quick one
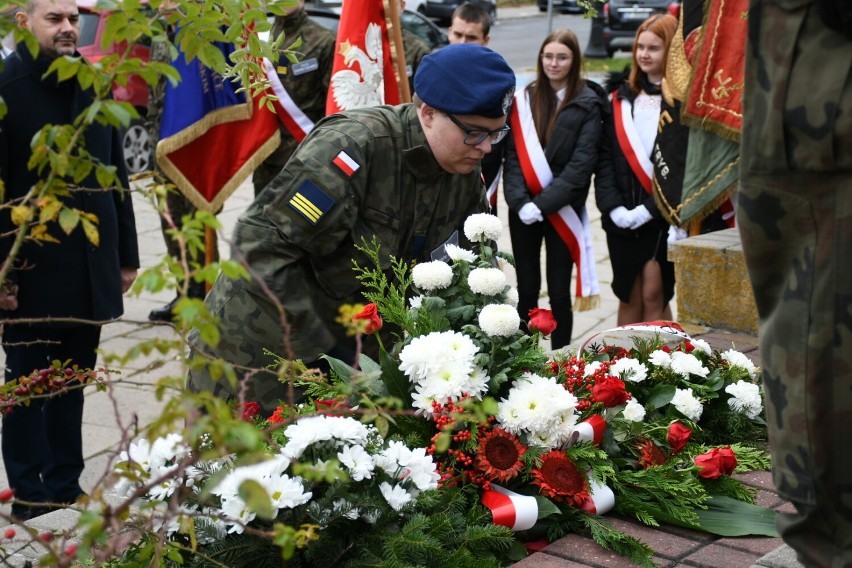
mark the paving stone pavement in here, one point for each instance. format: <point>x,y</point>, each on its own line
<point>131,400</point>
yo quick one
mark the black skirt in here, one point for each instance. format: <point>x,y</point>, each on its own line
<point>629,253</point>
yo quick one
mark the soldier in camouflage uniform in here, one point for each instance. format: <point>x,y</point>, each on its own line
<point>795,218</point>
<point>407,175</point>
<point>178,205</point>
<point>415,50</point>
<point>306,81</point>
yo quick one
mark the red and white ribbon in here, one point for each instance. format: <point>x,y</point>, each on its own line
<point>291,116</point>
<point>630,143</point>
<point>591,429</point>
<point>601,498</point>
<point>510,509</point>
<point>573,229</point>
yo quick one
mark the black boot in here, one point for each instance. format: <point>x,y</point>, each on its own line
<point>166,313</point>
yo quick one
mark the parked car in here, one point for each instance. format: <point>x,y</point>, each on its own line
<point>618,20</point>
<point>562,6</point>
<point>138,151</point>
<point>442,10</point>
<point>433,36</point>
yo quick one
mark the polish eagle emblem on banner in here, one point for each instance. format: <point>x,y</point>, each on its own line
<point>365,89</point>
<point>363,73</point>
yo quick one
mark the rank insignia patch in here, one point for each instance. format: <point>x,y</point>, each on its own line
<point>311,202</point>
<point>346,164</point>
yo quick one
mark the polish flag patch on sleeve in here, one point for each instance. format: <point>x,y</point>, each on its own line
<point>346,164</point>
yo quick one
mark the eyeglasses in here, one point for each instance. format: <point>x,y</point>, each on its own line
<point>560,58</point>
<point>476,136</point>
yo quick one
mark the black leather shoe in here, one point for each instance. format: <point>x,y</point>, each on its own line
<point>165,313</point>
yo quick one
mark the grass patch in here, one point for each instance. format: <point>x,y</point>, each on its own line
<point>604,65</point>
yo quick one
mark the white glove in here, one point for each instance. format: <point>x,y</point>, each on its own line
<point>620,216</point>
<point>639,216</point>
<point>676,234</point>
<point>530,213</point>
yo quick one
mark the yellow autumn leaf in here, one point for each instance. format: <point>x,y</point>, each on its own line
<point>91,232</point>
<point>21,215</point>
<point>39,233</point>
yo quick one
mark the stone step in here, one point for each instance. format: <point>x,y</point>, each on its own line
<point>712,283</point>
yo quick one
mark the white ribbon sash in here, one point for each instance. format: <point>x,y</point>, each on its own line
<point>574,230</point>
<point>630,143</point>
<point>291,116</point>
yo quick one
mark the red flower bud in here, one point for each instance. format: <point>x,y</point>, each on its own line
<point>541,321</point>
<point>249,410</point>
<point>610,391</point>
<point>70,550</point>
<point>6,495</point>
<point>10,533</point>
<point>678,436</point>
<point>45,537</point>
<point>716,462</point>
<point>370,314</point>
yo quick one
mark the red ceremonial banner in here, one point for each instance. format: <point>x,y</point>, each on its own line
<point>363,73</point>
<point>714,101</point>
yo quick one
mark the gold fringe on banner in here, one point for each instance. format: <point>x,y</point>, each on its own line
<point>586,303</point>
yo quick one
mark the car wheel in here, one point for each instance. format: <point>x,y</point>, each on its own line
<point>136,142</point>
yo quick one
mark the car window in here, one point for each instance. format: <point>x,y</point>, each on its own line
<point>88,28</point>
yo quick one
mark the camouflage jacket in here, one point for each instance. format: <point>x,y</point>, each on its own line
<point>306,80</point>
<point>359,174</point>
<point>415,50</point>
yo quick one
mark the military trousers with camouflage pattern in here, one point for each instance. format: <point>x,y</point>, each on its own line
<point>797,236</point>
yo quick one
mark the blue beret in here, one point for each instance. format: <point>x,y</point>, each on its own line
<point>466,78</point>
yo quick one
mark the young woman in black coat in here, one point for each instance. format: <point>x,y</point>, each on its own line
<point>642,276</point>
<point>566,113</point>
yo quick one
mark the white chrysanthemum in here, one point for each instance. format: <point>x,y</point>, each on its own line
<point>426,355</point>
<point>633,411</point>
<point>396,496</point>
<point>416,301</point>
<point>499,320</point>
<point>702,346</point>
<point>745,398</point>
<point>512,297</point>
<point>459,254</point>
<point>411,466</point>
<point>737,359</point>
<point>286,492</point>
<point>486,281</point>
<point>482,227</point>
<point>686,403</point>
<point>237,513</point>
<point>321,428</point>
<point>540,408</point>
<point>628,369</point>
<point>359,463</point>
<point>660,358</point>
<point>686,364</point>
<point>435,275</point>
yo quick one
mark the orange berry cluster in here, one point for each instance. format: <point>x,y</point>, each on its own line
<point>43,382</point>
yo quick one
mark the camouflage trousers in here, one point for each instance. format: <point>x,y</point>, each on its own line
<point>797,236</point>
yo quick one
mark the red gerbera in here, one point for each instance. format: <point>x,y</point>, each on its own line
<point>651,454</point>
<point>277,416</point>
<point>499,455</point>
<point>560,479</point>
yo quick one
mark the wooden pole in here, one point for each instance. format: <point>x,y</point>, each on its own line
<point>397,48</point>
<point>209,251</point>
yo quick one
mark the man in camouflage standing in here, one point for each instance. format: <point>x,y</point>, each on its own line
<point>407,175</point>
<point>795,218</point>
<point>305,80</point>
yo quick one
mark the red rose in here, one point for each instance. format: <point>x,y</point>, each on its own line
<point>248,410</point>
<point>332,407</point>
<point>678,436</point>
<point>541,321</point>
<point>610,391</point>
<point>370,314</point>
<point>716,462</point>
<point>277,416</point>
